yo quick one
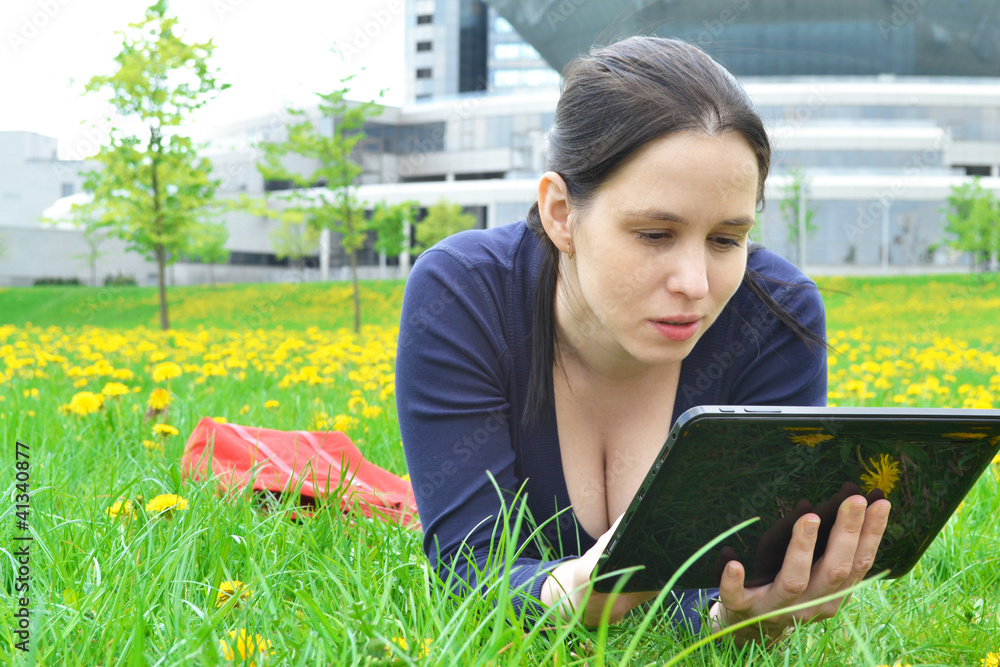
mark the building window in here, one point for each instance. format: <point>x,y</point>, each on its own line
<point>424,46</point>
<point>67,189</point>
<point>424,19</point>
<point>424,73</point>
<point>975,169</point>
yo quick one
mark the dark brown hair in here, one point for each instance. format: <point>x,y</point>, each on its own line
<point>613,101</point>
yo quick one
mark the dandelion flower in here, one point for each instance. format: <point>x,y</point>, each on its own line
<point>228,589</point>
<point>991,660</point>
<point>220,420</point>
<point>271,404</point>
<point>355,402</point>
<point>882,474</point>
<point>85,403</point>
<point>247,646</point>
<point>165,430</point>
<point>811,439</point>
<point>153,445</point>
<point>167,370</point>
<point>121,508</point>
<point>371,411</point>
<point>423,652</point>
<point>245,409</point>
<point>31,393</point>
<point>112,389</point>
<point>159,399</point>
<point>165,502</point>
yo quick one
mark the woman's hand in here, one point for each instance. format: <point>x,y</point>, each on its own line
<point>569,582</point>
<point>849,555</point>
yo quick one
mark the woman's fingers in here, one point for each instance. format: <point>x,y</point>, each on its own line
<point>796,570</point>
<point>837,563</point>
<point>876,520</point>
<point>732,594</point>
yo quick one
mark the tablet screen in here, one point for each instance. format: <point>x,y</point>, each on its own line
<point>723,465</point>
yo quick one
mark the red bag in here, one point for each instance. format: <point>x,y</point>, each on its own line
<point>315,464</point>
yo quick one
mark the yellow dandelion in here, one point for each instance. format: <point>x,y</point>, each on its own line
<point>220,420</point>
<point>423,652</point>
<point>355,402</point>
<point>112,389</point>
<point>82,382</point>
<point>882,474</point>
<point>246,646</point>
<point>811,439</point>
<point>85,403</point>
<point>122,374</point>
<point>167,370</point>
<point>165,502</point>
<point>343,423</point>
<point>271,404</point>
<point>991,660</point>
<point>228,589</point>
<point>122,508</point>
<point>245,409</point>
<point>30,393</point>
<point>153,445</point>
<point>159,399</point>
<point>371,411</point>
<point>165,430</point>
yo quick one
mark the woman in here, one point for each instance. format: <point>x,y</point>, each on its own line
<point>549,358</point>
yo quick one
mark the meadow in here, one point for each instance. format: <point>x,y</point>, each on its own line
<point>130,564</point>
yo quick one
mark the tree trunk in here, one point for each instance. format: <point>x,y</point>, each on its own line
<point>161,265</point>
<point>211,275</point>
<point>161,252</point>
<point>357,291</point>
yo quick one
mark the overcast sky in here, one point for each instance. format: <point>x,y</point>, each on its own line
<point>274,54</point>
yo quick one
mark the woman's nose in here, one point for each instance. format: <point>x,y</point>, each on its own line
<point>689,274</point>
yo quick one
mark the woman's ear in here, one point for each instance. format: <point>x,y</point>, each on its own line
<point>555,210</point>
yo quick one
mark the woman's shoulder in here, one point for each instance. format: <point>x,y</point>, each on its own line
<point>495,246</point>
<point>774,268</point>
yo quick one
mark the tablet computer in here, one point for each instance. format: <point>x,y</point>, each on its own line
<point>722,465</point>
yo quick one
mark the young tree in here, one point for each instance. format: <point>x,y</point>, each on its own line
<point>973,216</point>
<point>792,200</point>
<point>442,220</point>
<point>389,222</point>
<point>153,191</point>
<point>208,245</point>
<point>294,239</point>
<point>336,207</point>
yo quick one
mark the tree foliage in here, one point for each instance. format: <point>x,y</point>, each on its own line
<point>152,189</point>
<point>294,239</point>
<point>792,196</point>
<point>973,218</point>
<point>442,220</point>
<point>326,197</point>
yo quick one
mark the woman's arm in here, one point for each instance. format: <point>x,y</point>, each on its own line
<point>452,374</point>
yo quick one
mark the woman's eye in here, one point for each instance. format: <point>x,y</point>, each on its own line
<point>652,237</point>
<point>726,242</point>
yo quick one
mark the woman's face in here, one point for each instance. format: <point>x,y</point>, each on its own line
<point>660,249</point>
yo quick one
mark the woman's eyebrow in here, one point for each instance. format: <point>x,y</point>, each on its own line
<point>660,214</point>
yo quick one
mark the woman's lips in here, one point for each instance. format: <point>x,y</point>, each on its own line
<point>677,329</point>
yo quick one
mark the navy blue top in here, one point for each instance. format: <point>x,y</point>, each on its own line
<point>462,368</point>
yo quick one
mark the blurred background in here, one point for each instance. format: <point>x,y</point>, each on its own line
<point>877,112</point>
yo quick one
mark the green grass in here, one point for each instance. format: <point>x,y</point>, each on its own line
<point>227,306</point>
<point>336,589</point>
